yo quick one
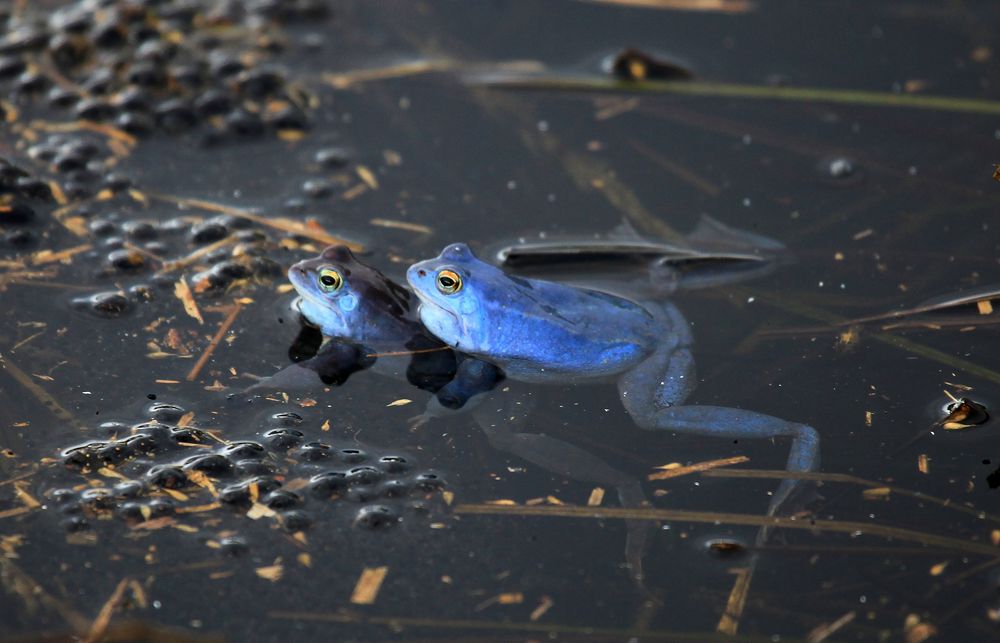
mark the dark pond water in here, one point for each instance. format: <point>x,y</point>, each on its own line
<point>236,123</point>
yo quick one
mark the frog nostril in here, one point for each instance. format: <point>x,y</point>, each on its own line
<point>421,273</point>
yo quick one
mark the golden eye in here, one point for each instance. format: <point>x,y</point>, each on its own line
<point>330,280</point>
<point>448,282</point>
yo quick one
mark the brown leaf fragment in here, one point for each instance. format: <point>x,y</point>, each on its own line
<point>156,523</point>
<point>675,472</point>
<point>826,630</point>
<point>923,463</point>
<point>869,416</point>
<point>402,225</point>
<point>26,498</point>
<point>938,569</point>
<point>915,631</point>
<point>543,606</point>
<point>985,307</point>
<point>272,573</point>
<point>367,176</point>
<point>198,508</point>
<point>510,598</point>
<point>877,493</point>
<point>257,511</point>
<point>596,497</point>
<point>304,559</point>
<point>64,256</point>
<point>995,537</point>
<point>307,403</point>
<point>368,585</point>
<point>183,292</point>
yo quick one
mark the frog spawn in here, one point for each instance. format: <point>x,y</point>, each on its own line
<point>171,73</point>
<point>281,472</point>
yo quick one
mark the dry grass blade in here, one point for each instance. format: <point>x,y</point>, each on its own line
<point>754,520</point>
<point>278,223</point>
<point>587,632</point>
<point>212,345</point>
<point>368,585</point>
<point>15,580</point>
<point>781,474</point>
<point>676,472</point>
<point>736,602</point>
<point>38,392</point>
<point>100,625</point>
<point>717,6</point>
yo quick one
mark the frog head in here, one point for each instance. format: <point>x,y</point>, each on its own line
<point>349,300</point>
<point>454,289</point>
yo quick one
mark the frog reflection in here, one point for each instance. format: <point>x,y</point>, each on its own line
<point>543,331</point>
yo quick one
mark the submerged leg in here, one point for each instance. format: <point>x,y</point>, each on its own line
<point>653,394</point>
<point>565,459</point>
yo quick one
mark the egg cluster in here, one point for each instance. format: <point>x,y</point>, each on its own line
<point>155,468</point>
<point>145,66</point>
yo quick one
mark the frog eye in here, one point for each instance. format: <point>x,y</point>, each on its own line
<point>330,280</point>
<point>448,282</point>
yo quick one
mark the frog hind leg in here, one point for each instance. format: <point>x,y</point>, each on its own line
<point>654,392</point>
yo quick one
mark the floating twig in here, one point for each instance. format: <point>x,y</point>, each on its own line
<point>313,232</point>
<point>712,517</point>
<point>100,625</point>
<point>214,343</point>
<point>676,472</point>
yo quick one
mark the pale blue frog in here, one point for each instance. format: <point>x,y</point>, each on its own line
<point>543,331</point>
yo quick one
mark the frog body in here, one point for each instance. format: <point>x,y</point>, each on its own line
<point>542,331</point>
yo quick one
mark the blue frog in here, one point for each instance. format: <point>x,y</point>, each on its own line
<point>544,331</point>
<point>372,323</point>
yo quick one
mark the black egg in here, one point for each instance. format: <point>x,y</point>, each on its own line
<point>163,412</point>
<point>233,546</point>
<point>327,483</point>
<point>295,520</point>
<point>364,475</point>
<point>333,157</point>
<point>167,477</point>
<point>255,467</point>
<point>313,451</point>
<point>283,439</point>
<point>393,489</point>
<point>126,260</point>
<point>62,98</point>
<point>281,499</point>
<point>213,464</point>
<point>135,123</point>
<point>176,115</point>
<point>428,481</point>
<point>260,82</point>
<point>393,463</point>
<point>375,517</point>
<point>244,123</point>
<point>244,449</point>
<point>352,456</point>
<point>129,489</point>
<point>208,232</point>
<point>235,494</point>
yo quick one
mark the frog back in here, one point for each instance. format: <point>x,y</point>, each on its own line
<point>535,329</point>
